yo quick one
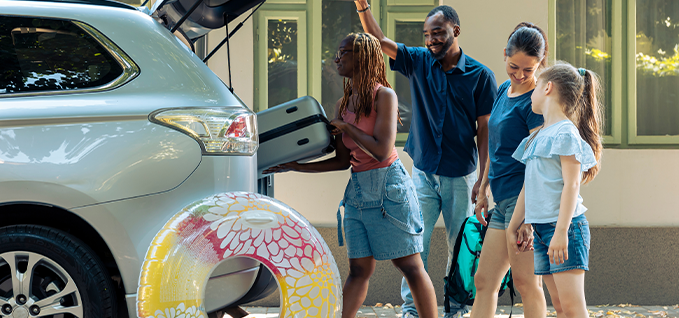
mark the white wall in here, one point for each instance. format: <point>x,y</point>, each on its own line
<point>242,62</point>
<point>634,188</point>
<point>486,24</point>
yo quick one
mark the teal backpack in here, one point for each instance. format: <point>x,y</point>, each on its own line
<point>459,284</point>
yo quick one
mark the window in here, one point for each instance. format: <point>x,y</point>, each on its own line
<point>590,33</point>
<point>339,20</point>
<point>656,39</point>
<point>51,55</point>
<point>584,39</point>
<point>282,60</point>
<point>283,63</point>
<point>325,23</point>
<point>404,28</point>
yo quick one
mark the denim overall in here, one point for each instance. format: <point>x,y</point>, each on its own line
<point>382,217</point>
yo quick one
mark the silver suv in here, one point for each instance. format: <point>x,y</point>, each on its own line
<point>109,125</point>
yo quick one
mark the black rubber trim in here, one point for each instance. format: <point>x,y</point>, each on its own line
<point>105,3</point>
<point>286,129</point>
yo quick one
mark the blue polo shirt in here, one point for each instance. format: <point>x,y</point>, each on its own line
<point>445,108</point>
<point>510,122</point>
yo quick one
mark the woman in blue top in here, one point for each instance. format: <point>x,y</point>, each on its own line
<point>559,156</point>
<point>510,121</point>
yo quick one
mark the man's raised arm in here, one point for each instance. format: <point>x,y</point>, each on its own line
<point>370,25</point>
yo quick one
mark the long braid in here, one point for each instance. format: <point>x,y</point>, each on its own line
<point>369,70</point>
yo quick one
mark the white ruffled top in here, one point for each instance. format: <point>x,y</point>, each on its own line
<point>544,180</point>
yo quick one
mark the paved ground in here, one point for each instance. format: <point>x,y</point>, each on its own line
<point>601,311</point>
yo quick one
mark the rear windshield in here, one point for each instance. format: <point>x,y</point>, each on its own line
<point>50,54</point>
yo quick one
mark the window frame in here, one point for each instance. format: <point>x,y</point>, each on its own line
<point>310,10</point>
<point>623,73</point>
<point>633,137</point>
<point>617,71</point>
<point>390,32</point>
<point>412,3</point>
<point>261,64</point>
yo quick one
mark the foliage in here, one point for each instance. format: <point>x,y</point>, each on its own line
<point>657,34</point>
<point>282,40</point>
<point>282,60</point>
<point>660,67</point>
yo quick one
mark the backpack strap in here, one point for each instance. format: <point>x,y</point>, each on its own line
<point>484,229</point>
<point>512,293</point>
<point>456,251</point>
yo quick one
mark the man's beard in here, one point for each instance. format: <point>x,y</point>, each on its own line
<point>444,49</point>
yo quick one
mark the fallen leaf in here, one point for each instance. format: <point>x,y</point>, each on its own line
<point>502,310</point>
<point>606,305</point>
<point>378,305</point>
<point>658,313</point>
<point>388,305</point>
<point>518,305</point>
<point>664,307</point>
<point>640,316</point>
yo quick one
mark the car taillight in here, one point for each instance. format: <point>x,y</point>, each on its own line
<point>218,130</point>
<point>238,128</point>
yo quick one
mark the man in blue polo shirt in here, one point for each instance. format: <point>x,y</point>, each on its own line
<point>452,96</point>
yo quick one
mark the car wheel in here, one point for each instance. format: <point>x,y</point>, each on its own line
<point>238,224</point>
<point>45,272</point>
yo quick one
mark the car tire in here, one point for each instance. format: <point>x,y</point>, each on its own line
<point>46,272</point>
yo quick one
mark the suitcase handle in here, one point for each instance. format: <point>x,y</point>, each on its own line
<point>327,123</point>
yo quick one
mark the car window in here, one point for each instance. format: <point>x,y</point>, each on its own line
<point>49,54</point>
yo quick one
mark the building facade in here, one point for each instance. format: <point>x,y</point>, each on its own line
<point>287,50</point>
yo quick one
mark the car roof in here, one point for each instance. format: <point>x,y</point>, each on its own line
<point>106,3</point>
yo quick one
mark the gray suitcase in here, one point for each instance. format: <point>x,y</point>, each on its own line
<point>297,130</point>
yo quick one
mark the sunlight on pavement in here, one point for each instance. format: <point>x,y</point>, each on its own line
<point>597,311</point>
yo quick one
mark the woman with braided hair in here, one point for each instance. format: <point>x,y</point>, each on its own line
<point>382,218</point>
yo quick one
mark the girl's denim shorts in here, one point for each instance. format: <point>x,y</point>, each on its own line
<point>382,216</point>
<point>578,246</point>
<point>502,213</point>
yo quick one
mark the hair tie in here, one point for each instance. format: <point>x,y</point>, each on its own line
<point>582,71</point>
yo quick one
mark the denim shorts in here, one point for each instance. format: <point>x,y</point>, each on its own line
<point>578,246</point>
<point>382,216</point>
<point>502,213</point>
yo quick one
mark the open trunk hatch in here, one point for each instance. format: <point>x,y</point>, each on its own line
<point>204,15</point>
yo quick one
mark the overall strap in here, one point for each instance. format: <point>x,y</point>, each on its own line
<point>339,224</point>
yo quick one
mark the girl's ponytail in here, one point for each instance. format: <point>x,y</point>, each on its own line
<point>579,92</point>
<point>589,121</point>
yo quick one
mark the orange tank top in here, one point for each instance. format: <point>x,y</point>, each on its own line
<point>360,160</point>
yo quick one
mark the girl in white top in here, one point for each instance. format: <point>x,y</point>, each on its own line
<point>558,157</point>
